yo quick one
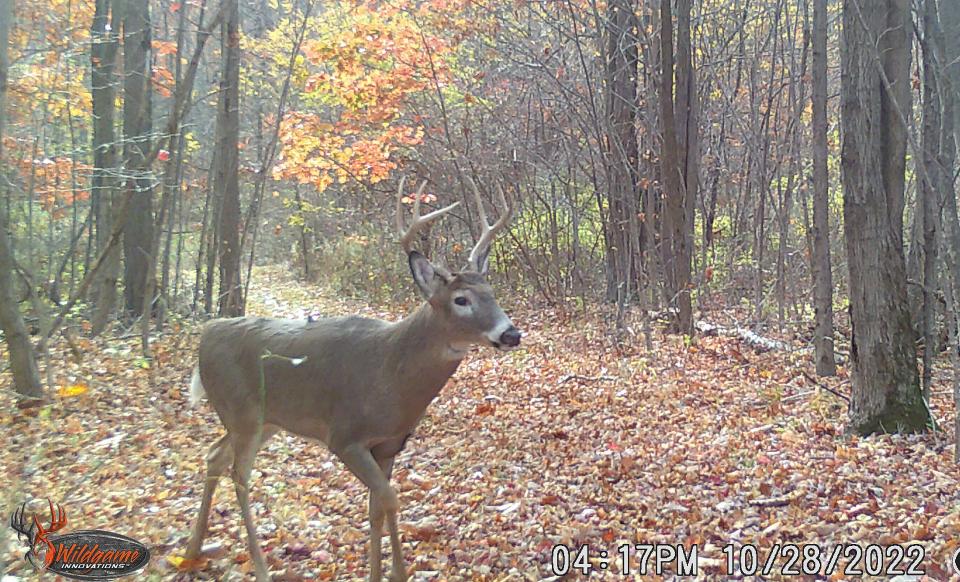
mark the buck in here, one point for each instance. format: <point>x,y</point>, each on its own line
<point>358,385</point>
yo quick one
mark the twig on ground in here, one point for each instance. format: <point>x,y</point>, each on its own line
<point>827,388</point>
<point>797,396</point>
<point>570,377</point>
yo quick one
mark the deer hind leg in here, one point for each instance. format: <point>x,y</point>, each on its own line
<point>361,463</point>
<point>245,451</point>
<point>219,458</point>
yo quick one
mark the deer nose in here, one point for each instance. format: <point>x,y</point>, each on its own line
<point>511,337</point>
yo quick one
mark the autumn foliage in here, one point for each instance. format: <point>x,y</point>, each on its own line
<point>366,70</point>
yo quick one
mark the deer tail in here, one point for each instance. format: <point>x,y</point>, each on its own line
<point>196,387</point>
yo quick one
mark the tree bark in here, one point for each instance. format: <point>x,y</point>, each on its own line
<point>930,186</point>
<point>822,272</point>
<point>23,363</point>
<point>137,128</point>
<point>948,52</point>
<point>621,147</point>
<point>226,182</point>
<point>103,94</point>
<point>875,51</point>
<point>676,164</point>
<point>688,142</point>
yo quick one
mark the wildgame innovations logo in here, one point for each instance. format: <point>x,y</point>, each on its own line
<point>90,554</point>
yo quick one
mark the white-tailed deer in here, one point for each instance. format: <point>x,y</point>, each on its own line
<point>359,385</point>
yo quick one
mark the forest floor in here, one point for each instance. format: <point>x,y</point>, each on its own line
<point>572,440</point>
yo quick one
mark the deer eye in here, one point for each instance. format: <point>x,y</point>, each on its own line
<point>462,301</point>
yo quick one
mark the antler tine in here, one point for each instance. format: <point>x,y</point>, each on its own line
<point>15,520</point>
<point>479,200</point>
<point>408,234</point>
<point>19,523</point>
<point>58,518</point>
<point>488,232</point>
<point>505,208</point>
<point>400,227</point>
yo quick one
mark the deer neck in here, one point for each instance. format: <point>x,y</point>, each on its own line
<point>424,356</point>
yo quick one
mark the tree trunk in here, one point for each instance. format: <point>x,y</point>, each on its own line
<point>675,164</point>
<point>226,182</point>
<point>103,57</point>
<point>950,20</point>
<point>688,142</point>
<point>23,363</point>
<point>822,272</point>
<point>875,49</point>
<point>929,191</point>
<point>137,128</point>
<point>948,47</point>
<point>621,146</point>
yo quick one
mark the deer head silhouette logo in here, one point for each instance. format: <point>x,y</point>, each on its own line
<point>34,534</point>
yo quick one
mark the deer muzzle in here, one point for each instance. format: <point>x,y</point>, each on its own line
<point>504,336</point>
<point>510,337</point>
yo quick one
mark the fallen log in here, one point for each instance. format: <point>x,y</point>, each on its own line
<point>752,339</point>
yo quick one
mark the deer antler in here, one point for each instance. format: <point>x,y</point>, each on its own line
<point>18,522</point>
<point>58,519</point>
<point>488,231</point>
<point>408,234</point>
<point>36,534</point>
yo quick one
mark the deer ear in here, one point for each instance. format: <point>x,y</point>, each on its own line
<point>428,277</point>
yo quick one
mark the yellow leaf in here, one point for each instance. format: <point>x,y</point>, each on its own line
<point>72,390</point>
<point>175,561</point>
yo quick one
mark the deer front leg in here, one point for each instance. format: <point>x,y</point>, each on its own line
<point>399,570</point>
<point>383,503</point>
<point>376,533</point>
<point>376,530</point>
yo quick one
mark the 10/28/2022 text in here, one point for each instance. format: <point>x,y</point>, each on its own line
<point>742,559</point>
